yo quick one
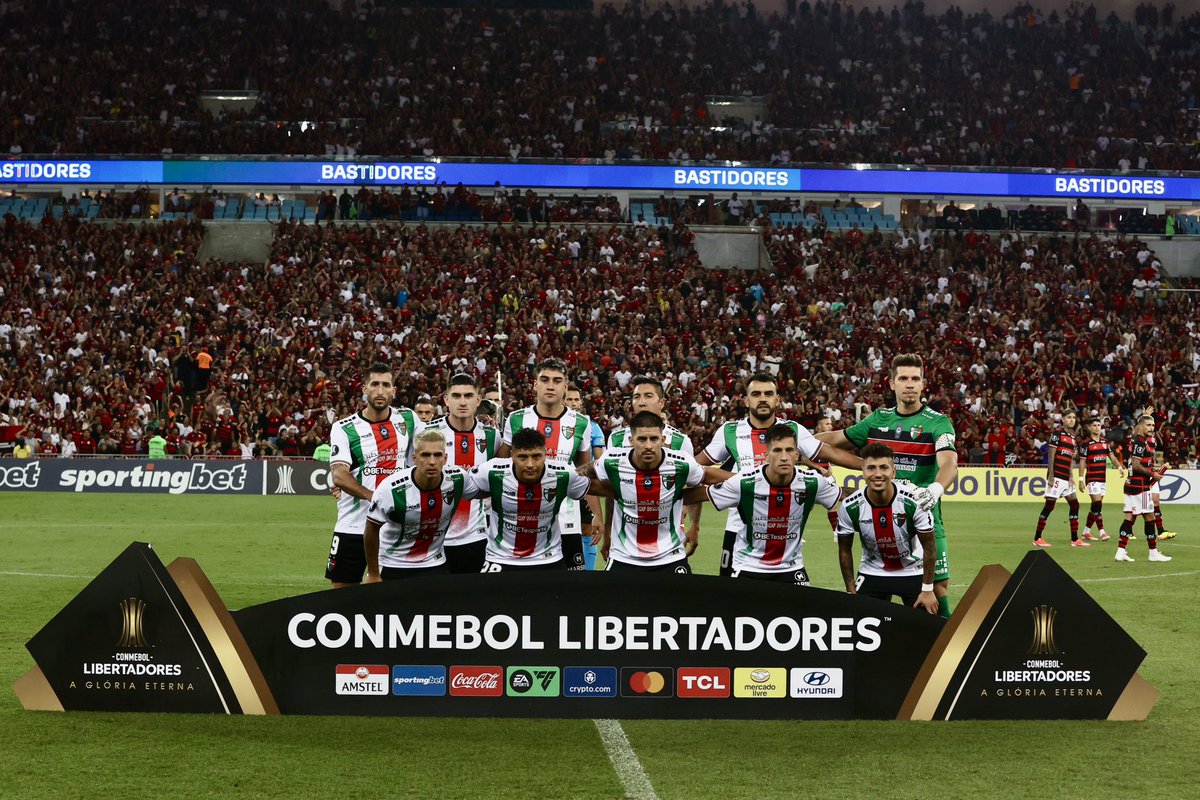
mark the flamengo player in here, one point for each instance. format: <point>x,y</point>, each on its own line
<point>773,502</point>
<point>1155,491</point>
<point>1095,454</point>
<point>648,484</point>
<point>898,554</point>
<point>526,494</point>
<point>364,450</point>
<point>745,442</point>
<point>1139,502</point>
<point>1060,482</point>
<point>410,512</point>
<point>923,445</point>
<point>568,441</point>
<point>469,443</point>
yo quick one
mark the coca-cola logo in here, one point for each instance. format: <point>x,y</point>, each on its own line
<point>476,681</point>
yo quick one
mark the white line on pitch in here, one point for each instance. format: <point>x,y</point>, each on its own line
<point>625,762</point>
<point>1118,578</point>
<point>314,583</point>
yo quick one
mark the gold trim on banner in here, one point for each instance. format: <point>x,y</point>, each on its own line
<point>1136,702</point>
<point>35,692</point>
<point>943,660</point>
<point>249,684</point>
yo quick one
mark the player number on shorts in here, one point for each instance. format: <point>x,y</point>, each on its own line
<point>858,582</point>
<point>333,548</point>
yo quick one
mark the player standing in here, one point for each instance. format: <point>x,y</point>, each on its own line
<point>469,443</point>
<point>1095,454</point>
<point>567,435</point>
<point>896,532</point>
<point>773,502</point>
<point>1156,491</point>
<point>648,395</point>
<point>648,485</point>
<point>744,442</point>
<point>1139,501</point>
<point>1060,479</point>
<point>526,495</point>
<point>365,449</point>
<point>825,425</point>
<point>410,512</point>
<point>924,452</point>
<point>590,521</point>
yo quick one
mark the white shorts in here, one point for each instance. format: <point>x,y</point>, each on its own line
<point>568,517</point>
<point>1139,503</point>
<point>1097,489</point>
<point>1060,488</point>
<point>1154,488</point>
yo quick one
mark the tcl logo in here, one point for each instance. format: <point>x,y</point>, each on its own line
<point>476,682</point>
<point>703,682</point>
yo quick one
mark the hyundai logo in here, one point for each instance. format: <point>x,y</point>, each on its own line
<point>1174,487</point>
<point>816,678</point>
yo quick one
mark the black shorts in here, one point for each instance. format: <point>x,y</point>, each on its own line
<point>680,567</point>
<point>496,566</point>
<point>401,573</point>
<point>347,559</point>
<point>797,577</point>
<point>466,558</point>
<point>727,553</point>
<point>884,587</point>
<point>572,547</point>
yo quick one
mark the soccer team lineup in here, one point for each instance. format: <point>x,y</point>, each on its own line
<point>544,489</point>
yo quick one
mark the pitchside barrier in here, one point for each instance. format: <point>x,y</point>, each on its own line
<point>145,637</point>
<point>282,477</point>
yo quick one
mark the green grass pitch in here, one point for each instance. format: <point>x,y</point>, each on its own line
<point>258,549</point>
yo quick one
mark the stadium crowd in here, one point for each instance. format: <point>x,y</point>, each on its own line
<point>112,332</point>
<point>841,84</point>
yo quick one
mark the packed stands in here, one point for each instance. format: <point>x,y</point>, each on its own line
<point>105,329</point>
<point>840,85</point>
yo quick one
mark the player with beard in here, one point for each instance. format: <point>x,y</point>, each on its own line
<point>1060,479</point>
<point>1095,456</point>
<point>743,443</point>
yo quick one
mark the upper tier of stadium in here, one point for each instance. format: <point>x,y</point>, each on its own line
<point>1023,88</point>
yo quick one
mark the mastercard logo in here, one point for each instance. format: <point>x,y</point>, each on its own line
<point>647,682</point>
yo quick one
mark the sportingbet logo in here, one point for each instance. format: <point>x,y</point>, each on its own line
<point>817,682</point>
<point>200,478</point>
<point>533,682</point>
<point>22,477</point>
<point>476,681</point>
<point>703,682</point>
<point>419,681</point>
<point>361,679</point>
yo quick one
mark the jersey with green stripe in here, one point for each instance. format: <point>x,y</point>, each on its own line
<point>916,438</point>
<point>413,521</point>
<point>647,527</point>
<point>888,533</point>
<point>566,435</point>
<point>524,523</point>
<point>373,451</point>
<point>773,517</point>
<point>673,439</point>
<point>468,449</point>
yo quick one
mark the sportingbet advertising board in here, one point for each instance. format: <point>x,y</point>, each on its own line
<point>144,637</point>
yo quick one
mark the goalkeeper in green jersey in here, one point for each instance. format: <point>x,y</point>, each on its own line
<point>926,455</point>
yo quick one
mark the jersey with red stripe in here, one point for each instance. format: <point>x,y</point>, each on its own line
<point>647,524</point>
<point>1095,454</point>
<point>773,517</point>
<point>915,438</point>
<point>373,451</point>
<point>1141,452</point>
<point>468,449</point>
<point>888,533</point>
<point>673,439</point>
<point>523,526</point>
<point>1063,451</point>
<point>413,521</point>
<point>746,445</point>
<point>566,435</point>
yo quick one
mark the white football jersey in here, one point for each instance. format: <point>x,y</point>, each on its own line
<point>467,450</point>
<point>524,526</point>
<point>647,524</point>
<point>566,435</point>
<point>772,517</point>
<point>373,451</point>
<point>413,521</point>
<point>888,533</point>
<point>673,439</point>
